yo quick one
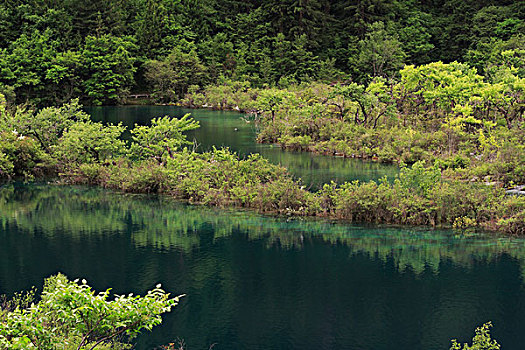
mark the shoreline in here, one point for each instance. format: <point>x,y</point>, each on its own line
<point>156,161</point>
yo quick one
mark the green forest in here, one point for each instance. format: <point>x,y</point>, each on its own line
<point>436,88</point>
<point>102,50</point>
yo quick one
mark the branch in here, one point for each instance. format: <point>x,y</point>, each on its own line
<point>114,335</point>
<point>90,332</point>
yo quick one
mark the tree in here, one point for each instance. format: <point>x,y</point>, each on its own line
<point>368,104</point>
<point>97,17</point>
<point>64,76</point>
<point>359,15</point>
<point>71,313</point>
<point>279,14</point>
<point>506,94</point>
<point>415,38</point>
<point>49,124</point>
<point>159,27</point>
<point>270,101</point>
<point>24,65</point>
<point>293,61</point>
<point>487,57</point>
<point>108,68</point>
<point>219,55</point>
<point>172,76</point>
<point>86,142</point>
<point>433,90</point>
<point>309,18</point>
<point>305,63</point>
<point>381,54</point>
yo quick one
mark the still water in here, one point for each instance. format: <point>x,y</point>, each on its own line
<point>257,282</point>
<point>228,129</point>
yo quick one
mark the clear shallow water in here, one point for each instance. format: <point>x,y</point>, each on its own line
<point>256,282</point>
<point>218,129</point>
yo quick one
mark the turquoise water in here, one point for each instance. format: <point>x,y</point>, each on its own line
<point>260,282</point>
<point>257,282</point>
<point>228,129</point>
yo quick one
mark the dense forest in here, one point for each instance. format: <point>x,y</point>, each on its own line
<point>101,50</point>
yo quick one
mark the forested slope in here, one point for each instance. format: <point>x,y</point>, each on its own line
<point>100,50</point>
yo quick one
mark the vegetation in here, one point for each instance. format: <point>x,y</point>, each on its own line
<point>100,50</point>
<point>70,315</point>
<point>439,86</point>
<point>445,115</point>
<point>156,161</point>
<point>481,341</point>
<point>397,94</point>
<point>159,222</point>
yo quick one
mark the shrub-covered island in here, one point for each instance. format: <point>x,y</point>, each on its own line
<point>64,142</point>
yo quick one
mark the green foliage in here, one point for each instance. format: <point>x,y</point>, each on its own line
<point>481,341</point>
<point>380,53</point>
<point>72,314</point>
<point>89,142</point>
<point>108,65</point>
<point>20,156</point>
<point>162,139</point>
<point>419,179</point>
<point>98,50</point>
<point>172,76</point>
<point>48,124</point>
<point>25,62</point>
<point>270,100</point>
<point>156,162</point>
<point>443,114</point>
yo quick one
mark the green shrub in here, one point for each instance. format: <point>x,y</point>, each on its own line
<point>87,142</point>
<point>481,341</point>
<point>72,314</point>
<point>6,167</point>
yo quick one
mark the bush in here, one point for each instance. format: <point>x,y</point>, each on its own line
<point>21,156</point>
<point>89,142</point>
<point>72,314</point>
<point>481,341</point>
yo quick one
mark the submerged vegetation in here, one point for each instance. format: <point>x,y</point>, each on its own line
<point>64,142</point>
<point>160,223</point>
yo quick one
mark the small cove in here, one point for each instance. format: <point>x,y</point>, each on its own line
<point>227,129</point>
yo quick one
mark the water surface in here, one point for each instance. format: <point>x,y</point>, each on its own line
<point>257,282</point>
<point>228,129</point>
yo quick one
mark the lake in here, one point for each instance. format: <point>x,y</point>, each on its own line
<point>263,282</point>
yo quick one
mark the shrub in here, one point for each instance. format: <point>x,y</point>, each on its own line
<point>88,142</point>
<point>72,314</point>
<point>481,341</point>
